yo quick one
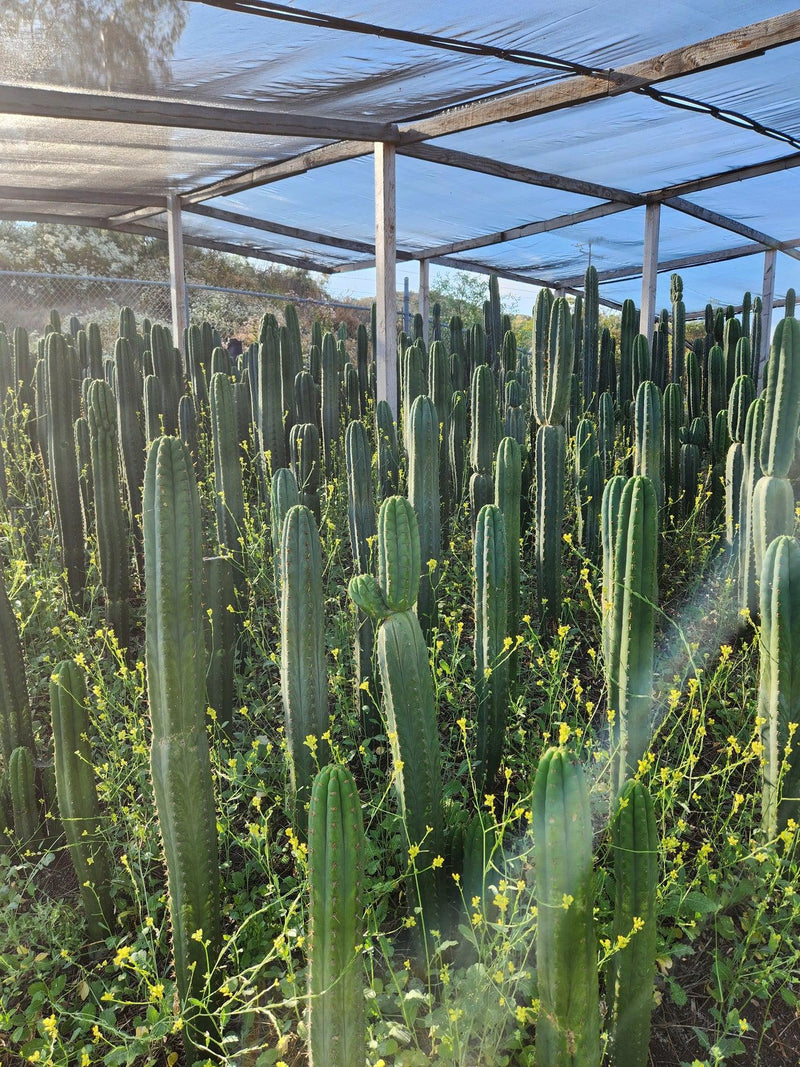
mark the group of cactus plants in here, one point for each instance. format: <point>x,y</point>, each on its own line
<point>150,455</point>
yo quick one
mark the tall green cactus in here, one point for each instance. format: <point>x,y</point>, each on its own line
<point>284,494</point>
<point>629,669</point>
<point>673,421</point>
<point>112,528</point>
<point>779,684</point>
<point>423,492</point>
<point>63,463</point>
<point>331,403</point>
<point>229,493</point>
<point>271,438</point>
<point>388,453</point>
<point>22,786</point>
<point>408,697</point>
<point>678,360</point>
<point>304,455</point>
<point>363,532</point>
<point>508,497</point>
<point>336,857</point>
<point>16,728</point>
<point>482,440</point>
<point>304,679</point>
<point>179,756</point>
<point>568,1026</point>
<point>591,333</point>
<point>490,562</point>
<point>77,796</point>
<point>220,602</point>
<point>649,437</point>
<point>632,968</point>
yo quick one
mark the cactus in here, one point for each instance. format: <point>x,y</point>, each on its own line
<point>77,796</point>
<point>305,397</point>
<point>83,454</point>
<point>22,786</point>
<point>440,391</point>
<point>408,695</point>
<point>551,366</point>
<point>304,679</point>
<point>778,696</point>
<point>112,528</point>
<point>220,603</point>
<point>336,857</point>
<point>363,530</point>
<point>127,388</point>
<point>694,393</point>
<point>629,668</point>
<point>16,728</point>
<point>153,408</point>
<point>388,453</point>
<point>632,968</point>
<point>331,407</point>
<point>179,756</point>
<point>568,1026</point>
<point>229,494</point>
<point>609,524</point>
<point>771,514</point>
<point>197,359</point>
<point>673,424</point>
<point>491,667</point>
<point>641,363</point>
<point>550,458</point>
<point>284,494</point>
<point>588,467</point>
<point>63,463</point>
<point>782,402</point>
<point>304,455</point>
<point>423,492</point>
<point>591,311</point>
<point>508,497</point>
<point>457,435</point>
<point>678,329</point>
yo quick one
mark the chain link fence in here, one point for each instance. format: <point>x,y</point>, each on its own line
<point>27,298</point>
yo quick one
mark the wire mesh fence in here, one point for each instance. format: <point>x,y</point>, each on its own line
<point>27,298</point>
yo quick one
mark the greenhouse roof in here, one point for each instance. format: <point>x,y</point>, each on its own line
<point>526,143</point>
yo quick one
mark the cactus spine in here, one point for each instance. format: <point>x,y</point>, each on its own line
<point>304,679</point>
<point>568,1026</point>
<point>179,755</point>
<point>336,846</point>
<point>77,796</point>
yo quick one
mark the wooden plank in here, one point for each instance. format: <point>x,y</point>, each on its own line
<point>733,46</point>
<point>449,157</point>
<point>385,280</point>
<point>725,223</point>
<point>249,221</point>
<point>634,270</point>
<point>177,274</point>
<point>84,106</point>
<point>424,297</point>
<point>767,304</point>
<point>652,222</point>
<point>726,177</point>
<point>60,195</point>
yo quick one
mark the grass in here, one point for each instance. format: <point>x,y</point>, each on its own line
<point>729,909</point>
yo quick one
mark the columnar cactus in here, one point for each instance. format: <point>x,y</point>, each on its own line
<point>387,450</point>
<point>16,729</point>
<point>568,1025</point>
<point>550,383</point>
<point>632,968</point>
<point>271,438</point>
<point>508,497</point>
<point>336,856</point>
<point>673,424</point>
<point>678,330</point>
<point>112,527</point>
<point>179,755</point>
<point>456,442</point>
<point>284,494</point>
<point>779,684</point>
<point>228,490</point>
<point>304,455</point>
<point>63,463</point>
<point>629,669</point>
<point>482,440</point>
<point>408,696</point>
<point>220,602</point>
<point>331,405</point>
<point>363,532</point>
<point>609,524</point>
<point>490,559</point>
<point>77,796</point>
<point>742,396</point>
<point>22,786</point>
<point>423,492</point>
<point>304,679</point>
<point>591,311</point>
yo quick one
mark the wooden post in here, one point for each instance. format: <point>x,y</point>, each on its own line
<point>385,282</point>
<point>177,275</point>
<point>767,300</point>
<point>424,300</point>
<point>652,219</point>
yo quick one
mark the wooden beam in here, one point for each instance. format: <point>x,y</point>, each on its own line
<point>647,315</point>
<point>729,47</point>
<point>725,177</point>
<point>424,296</point>
<point>84,106</point>
<point>767,303</point>
<point>61,195</point>
<point>449,157</point>
<point>634,270</point>
<point>385,280</point>
<point>249,221</point>
<point>725,223</point>
<point>177,274</point>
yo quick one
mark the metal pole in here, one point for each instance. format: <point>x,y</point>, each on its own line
<point>406,308</point>
<point>767,302</point>
<point>652,219</point>
<point>177,274</point>
<point>385,283</point>
<point>424,298</point>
